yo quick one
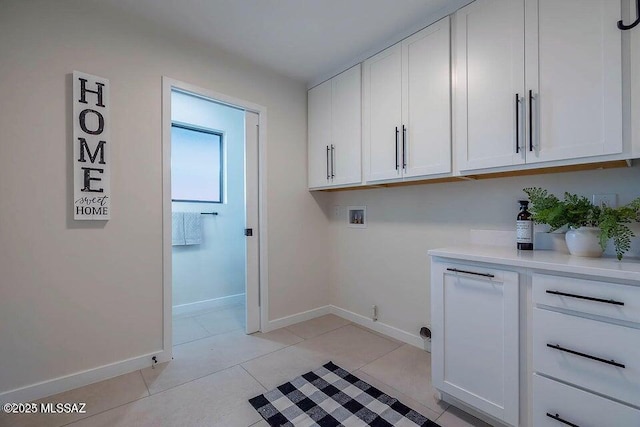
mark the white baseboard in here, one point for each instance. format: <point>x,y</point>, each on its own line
<point>382,328</point>
<point>79,379</point>
<point>208,304</point>
<point>296,318</point>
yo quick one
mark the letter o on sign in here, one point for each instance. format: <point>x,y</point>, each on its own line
<point>83,122</point>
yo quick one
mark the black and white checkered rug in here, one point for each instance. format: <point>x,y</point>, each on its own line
<point>330,396</point>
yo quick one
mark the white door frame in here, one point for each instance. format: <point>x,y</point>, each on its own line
<point>167,85</point>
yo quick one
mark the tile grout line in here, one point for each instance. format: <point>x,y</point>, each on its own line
<point>232,366</point>
<point>253,358</point>
<point>228,367</point>
<point>149,394</point>
<point>190,381</point>
<point>251,375</point>
<point>380,334</point>
<point>145,382</point>
<point>205,311</point>
<point>199,324</point>
<point>378,358</point>
<point>106,410</point>
<point>385,354</point>
<point>195,319</point>
<point>396,391</point>
<point>122,404</point>
<point>155,394</point>
<point>293,333</point>
<point>208,336</point>
<point>324,333</point>
<point>315,336</point>
<point>440,416</point>
<point>378,379</point>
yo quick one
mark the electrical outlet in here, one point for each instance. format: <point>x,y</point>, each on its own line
<point>336,212</point>
<point>610,200</point>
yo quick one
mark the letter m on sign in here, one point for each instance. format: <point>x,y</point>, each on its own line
<point>91,147</point>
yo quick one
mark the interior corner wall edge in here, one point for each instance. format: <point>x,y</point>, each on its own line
<point>76,296</point>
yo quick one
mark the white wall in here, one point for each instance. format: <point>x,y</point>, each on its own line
<point>78,295</point>
<point>387,264</point>
<point>216,267</point>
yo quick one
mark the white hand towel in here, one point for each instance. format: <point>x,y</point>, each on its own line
<point>192,228</point>
<point>177,229</point>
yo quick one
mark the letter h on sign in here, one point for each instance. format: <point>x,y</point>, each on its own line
<point>91,147</point>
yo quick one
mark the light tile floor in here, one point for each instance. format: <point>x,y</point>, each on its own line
<point>201,324</point>
<point>213,376</point>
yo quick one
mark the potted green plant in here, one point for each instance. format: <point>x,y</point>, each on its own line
<point>590,226</point>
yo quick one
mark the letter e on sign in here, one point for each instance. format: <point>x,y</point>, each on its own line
<point>91,147</point>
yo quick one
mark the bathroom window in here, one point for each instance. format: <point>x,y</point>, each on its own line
<point>196,164</point>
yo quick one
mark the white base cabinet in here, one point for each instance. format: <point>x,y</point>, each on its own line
<point>586,333</point>
<point>556,404</point>
<point>475,355</point>
<point>537,338</point>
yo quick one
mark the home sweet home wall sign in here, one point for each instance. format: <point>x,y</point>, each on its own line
<point>91,148</point>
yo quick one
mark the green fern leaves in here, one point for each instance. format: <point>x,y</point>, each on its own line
<point>578,211</point>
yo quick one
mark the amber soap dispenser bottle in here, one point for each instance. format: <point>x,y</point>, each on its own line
<point>524,227</point>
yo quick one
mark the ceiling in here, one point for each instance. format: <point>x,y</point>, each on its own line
<point>308,40</point>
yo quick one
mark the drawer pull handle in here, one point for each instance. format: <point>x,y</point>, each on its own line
<point>588,356</point>
<point>607,301</point>
<point>557,418</point>
<point>455,270</point>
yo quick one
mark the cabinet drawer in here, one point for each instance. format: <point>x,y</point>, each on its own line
<point>595,355</point>
<point>588,296</point>
<point>577,407</point>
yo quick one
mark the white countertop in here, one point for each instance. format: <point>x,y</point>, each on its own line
<point>627,269</point>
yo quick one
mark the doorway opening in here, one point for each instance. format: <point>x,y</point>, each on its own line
<point>212,222</point>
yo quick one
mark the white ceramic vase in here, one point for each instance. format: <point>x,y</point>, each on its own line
<point>584,241</point>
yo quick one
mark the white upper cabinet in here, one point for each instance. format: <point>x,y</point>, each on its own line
<point>489,84</point>
<point>537,81</point>
<point>426,101</point>
<point>406,111</point>
<point>382,114</point>
<point>346,126</point>
<point>635,84</point>
<point>334,127</point>
<point>319,138</point>
<point>574,70</point>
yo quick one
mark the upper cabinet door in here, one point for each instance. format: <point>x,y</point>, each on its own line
<point>382,122</point>
<point>319,135</point>
<point>574,72</point>
<point>426,101</point>
<point>346,126</point>
<point>489,55</point>
<point>635,88</point>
